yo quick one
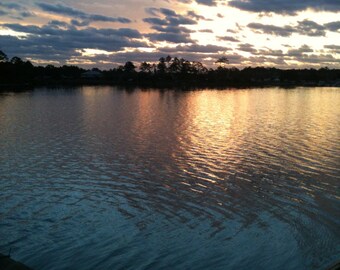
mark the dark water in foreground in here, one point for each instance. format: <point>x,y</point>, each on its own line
<point>96,178</point>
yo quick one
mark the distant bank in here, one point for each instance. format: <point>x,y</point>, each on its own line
<point>168,72</point>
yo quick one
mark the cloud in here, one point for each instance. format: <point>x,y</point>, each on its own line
<point>170,37</point>
<point>195,48</point>
<point>169,26</point>
<point>59,41</point>
<point>300,51</point>
<point>195,16</point>
<point>206,31</point>
<point>14,6</point>
<point>301,56</point>
<point>170,17</point>
<point>227,38</point>
<point>333,26</point>
<point>247,48</point>
<point>172,29</point>
<point>155,21</point>
<point>333,48</point>
<point>305,27</point>
<point>71,12</point>
<point>167,12</point>
<point>80,23</point>
<point>285,31</point>
<point>285,6</point>
<point>26,14</point>
<point>207,2</point>
<point>310,28</point>
<point>15,11</point>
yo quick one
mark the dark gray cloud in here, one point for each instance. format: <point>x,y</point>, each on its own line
<point>247,48</point>
<point>195,48</point>
<point>26,14</point>
<point>207,2</point>
<point>80,23</point>
<point>304,55</point>
<point>56,23</point>
<point>170,37</point>
<point>59,41</point>
<point>300,51</point>
<point>305,27</point>
<point>15,11</point>
<point>286,6</point>
<point>317,60</point>
<point>284,31</point>
<point>333,26</point>
<point>73,13</point>
<point>169,26</point>
<point>167,12</point>
<point>206,31</point>
<point>170,17</point>
<point>172,29</point>
<point>232,31</point>
<point>333,48</point>
<point>195,16</point>
<point>155,21</point>
<point>180,20</point>
<point>270,52</point>
<point>14,6</point>
<point>227,38</point>
<point>262,60</point>
<point>310,28</point>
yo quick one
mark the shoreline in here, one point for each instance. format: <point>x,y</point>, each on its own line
<point>174,85</point>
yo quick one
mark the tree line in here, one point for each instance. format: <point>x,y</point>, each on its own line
<point>166,72</point>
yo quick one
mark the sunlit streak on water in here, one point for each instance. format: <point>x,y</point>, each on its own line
<point>101,178</point>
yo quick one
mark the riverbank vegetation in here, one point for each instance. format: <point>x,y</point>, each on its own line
<point>166,72</point>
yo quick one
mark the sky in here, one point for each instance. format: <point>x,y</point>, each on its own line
<point>108,33</point>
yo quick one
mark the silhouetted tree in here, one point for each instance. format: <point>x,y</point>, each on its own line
<point>161,66</point>
<point>3,57</point>
<point>169,71</point>
<point>146,67</point>
<point>175,65</point>
<point>222,60</point>
<point>185,66</point>
<point>129,67</point>
<point>17,60</point>
<point>198,68</point>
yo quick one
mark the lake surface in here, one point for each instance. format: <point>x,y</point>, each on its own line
<point>104,178</point>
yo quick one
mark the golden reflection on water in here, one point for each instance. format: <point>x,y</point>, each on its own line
<point>224,159</point>
<point>214,134</point>
<point>222,133</point>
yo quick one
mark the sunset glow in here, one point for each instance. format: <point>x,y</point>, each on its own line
<point>104,33</point>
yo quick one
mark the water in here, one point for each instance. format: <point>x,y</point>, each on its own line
<point>101,178</point>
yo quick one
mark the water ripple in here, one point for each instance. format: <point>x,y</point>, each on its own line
<point>99,178</point>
